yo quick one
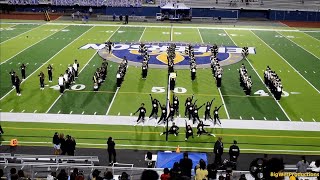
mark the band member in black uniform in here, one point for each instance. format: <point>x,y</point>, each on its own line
<point>234,153</point>
<point>201,130</point>
<point>172,83</point>
<point>173,130</point>
<point>50,69</point>
<point>193,69</point>
<point>109,45</point>
<point>195,113</point>
<point>189,131</point>
<point>142,113</point>
<point>13,77</point>
<point>187,104</point>
<point>171,113</point>
<point>176,104</point>
<point>219,78</point>
<point>170,66</point>
<point>76,68</point>
<point>191,109</point>
<point>163,116</point>
<point>23,71</point>
<point>144,70</point>
<point>61,83</point>
<point>207,114</point>
<point>17,85</point>
<point>66,80</point>
<point>216,114</point>
<point>41,78</point>
<point>155,107</point>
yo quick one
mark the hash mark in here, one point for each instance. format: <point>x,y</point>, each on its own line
<point>130,114</point>
<point>313,120</point>
<point>11,110</point>
<point>59,112</point>
<point>301,119</point>
<point>82,112</point>
<point>35,111</point>
<point>252,118</point>
<point>240,117</point>
<point>305,71</point>
<point>118,113</point>
<point>95,113</point>
<point>71,112</point>
<point>279,70</point>
<point>314,72</point>
<point>277,119</point>
<point>22,111</point>
<point>288,71</point>
<point>111,65</point>
<point>264,118</point>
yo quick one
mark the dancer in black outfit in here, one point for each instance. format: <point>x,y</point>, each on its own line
<point>155,108</point>
<point>142,113</point>
<point>207,114</point>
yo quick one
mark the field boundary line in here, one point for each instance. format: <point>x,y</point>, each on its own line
<point>40,25</point>
<point>78,74</point>
<point>167,26</point>
<point>262,81</point>
<point>200,35</point>
<point>299,45</point>
<point>142,34</point>
<point>48,60</point>
<point>31,46</point>
<point>173,147</point>
<point>287,62</point>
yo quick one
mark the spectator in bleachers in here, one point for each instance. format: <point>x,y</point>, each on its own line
<point>186,165</point>
<point>149,175</point>
<point>111,151</point>
<point>201,170</point>
<point>95,175</point>
<point>21,175</point>
<point>62,175</point>
<point>63,146</point>
<point>1,173</point>
<point>124,176</point>
<point>51,176</point>
<point>165,175</point>
<point>108,175</point>
<point>243,177</point>
<point>175,172</point>
<point>302,165</point>
<point>74,174</point>
<point>212,171</point>
<point>56,144</point>
<point>13,174</point>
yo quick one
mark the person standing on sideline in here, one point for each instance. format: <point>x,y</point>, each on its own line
<point>111,151</point>
<point>56,144</point>
<point>186,165</point>
<point>218,151</point>
<point>23,71</point>
<point>302,165</point>
<point>234,153</point>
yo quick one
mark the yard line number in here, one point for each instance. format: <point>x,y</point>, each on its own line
<point>178,90</point>
<point>75,87</point>
<point>263,93</point>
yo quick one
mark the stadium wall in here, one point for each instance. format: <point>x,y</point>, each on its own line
<point>279,15</point>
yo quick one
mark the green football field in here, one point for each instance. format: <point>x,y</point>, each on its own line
<point>294,54</point>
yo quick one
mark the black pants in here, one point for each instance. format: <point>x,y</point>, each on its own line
<point>188,135</point>
<point>186,111</point>
<point>170,117</point>
<point>61,89</point>
<point>12,80</point>
<point>119,81</point>
<point>176,110</point>
<point>196,118</point>
<point>76,73</point>
<point>50,76</point>
<point>144,73</point>
<point>42,83</point>
<point>67,85</point>
<point>193,76</point>
<point>218,82</point>
<point>162,118</point>
<point>18,89</point>
<point>190,114</point>
<point>202,132</point>
<point>70,153</point>
<point>217,159</point>
<point>207,115</point>
<point>23,74</point>
<point>171,132</point>
<point>154,112</point>
<point>109,49</point>
<point>141,116</point>
<point>216,118</point>
<point>112,155</point>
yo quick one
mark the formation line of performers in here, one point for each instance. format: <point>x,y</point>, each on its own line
<point>68,78</point>
<point>145,62</point>
<point>245,80</point>
<point>171,54</point>
<point>273,82</point>
<point>122,70</point>
<point>100,75</point>
<point>169,113</point>
<point>215,66</point>
<point>192,61</point>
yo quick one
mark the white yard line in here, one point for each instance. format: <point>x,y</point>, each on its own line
<point>113,98</point>
<point>310,36</point>
<point>300,46</point>
<point>47,61</point>
<point>142,34</point>
<point>200,35</point>
<point>172,147</point>
<point>263,82</point>
<point>224,104</point>
<point>22,33</point>
<point>31,46</point>
<point>287,62</point>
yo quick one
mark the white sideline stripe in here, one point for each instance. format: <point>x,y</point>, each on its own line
<point>48,61</point>
<point>300,46</point>
<point>22,33</point>
<point>142,34</point>
<point>30,46</point>
<point>262,80</point>
<point>286,62</point>
<point>201,36</point>
<point>224,104</point>
<point>128,120</point>
<point>113,98</point>
<point>173,147</point>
